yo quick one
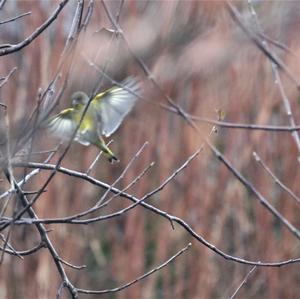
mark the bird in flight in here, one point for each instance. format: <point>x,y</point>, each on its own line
<point>103,116</point>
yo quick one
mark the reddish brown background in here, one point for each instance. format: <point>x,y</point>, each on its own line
<point>202,60</point>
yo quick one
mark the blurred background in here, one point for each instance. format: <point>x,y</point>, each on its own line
<point>204,62</point>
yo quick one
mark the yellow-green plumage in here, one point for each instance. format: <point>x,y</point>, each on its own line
<point>103,116</point>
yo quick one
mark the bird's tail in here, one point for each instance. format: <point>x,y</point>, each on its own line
<point>111,157</point>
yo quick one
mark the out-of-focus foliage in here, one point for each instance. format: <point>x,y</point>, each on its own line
<point>200,58</point>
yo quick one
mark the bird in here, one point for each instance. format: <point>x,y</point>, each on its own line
<point>103,116</point>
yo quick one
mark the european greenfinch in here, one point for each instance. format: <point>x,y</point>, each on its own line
<point>104,115</point>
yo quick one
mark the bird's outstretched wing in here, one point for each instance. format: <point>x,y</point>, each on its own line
<point>62,125</point>
<point>114,104</point>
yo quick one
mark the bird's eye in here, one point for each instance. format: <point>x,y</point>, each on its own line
<point>76,101</point>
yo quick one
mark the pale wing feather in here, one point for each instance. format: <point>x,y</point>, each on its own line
<point>82,141</point>
<point>115,105</point>
<point>63,127</point>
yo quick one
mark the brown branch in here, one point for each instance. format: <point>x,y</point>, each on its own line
<point>181,112</point>
<point>24,252</point>
<point>118,289</point>
<point>74,219</point>
<point>15,18</point>
<point>155,210</point>
<point>122,175</point>
<point>278,82</point>
<point>35,34</point>
<point>245,280</point>
<point>251,35</point>
<point>253,190</point>
<point>71,265</point>
<point>74,30</point>
<point>229,125</point>
<point>277,181</point>
<point>6,78</point>
<point>45,239</point>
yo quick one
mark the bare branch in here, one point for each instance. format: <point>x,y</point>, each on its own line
<point>121,176</point>
<point>71,265</point>
<point>278,81</point>
<point>243,282</point>
<point>114,290</point>
<point>251,188</point>
<point>181,112</point>
<point>237,18</point>
<point>157,211</point>
<point>36,33</point>
<point>24,252</point>
<point>44,236</point>
<point>90,168</point>
<point>2,2</point>
<point>229,125</point>
<point>15,18</point>
<point>277,181</point>
<point>5,79</point>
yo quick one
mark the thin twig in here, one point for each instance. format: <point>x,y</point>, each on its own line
<point>2,2</point>
<point>287,129</point>
<point>43,233</point>
<point>15,18</point>
<point>134,181</point>
<point>92,165</point>
<point>278,81</point>
<point>75,218</point>
<point>24,252</point>
<point>155,210</point>
<point>245,280</point>
<point>121,176</point>
<point>36,33</point>
<point>277,181</point>
<point>4,81</point>
<point>88,15</point>
<point>276,43</point>
<point>60,159</point>
<point>71,265</point>
<point>6,244</point>
<point>114,290</point>
<point>238,19</point>
<point>175,110</point>
<point>181,112</point>
<point>257,194</point>
<point>28,176</point>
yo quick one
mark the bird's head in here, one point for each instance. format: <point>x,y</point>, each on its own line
<point>79,99</point>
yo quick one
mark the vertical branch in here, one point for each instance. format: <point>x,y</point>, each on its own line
<point>245,280</point>
<point>278,82</point>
